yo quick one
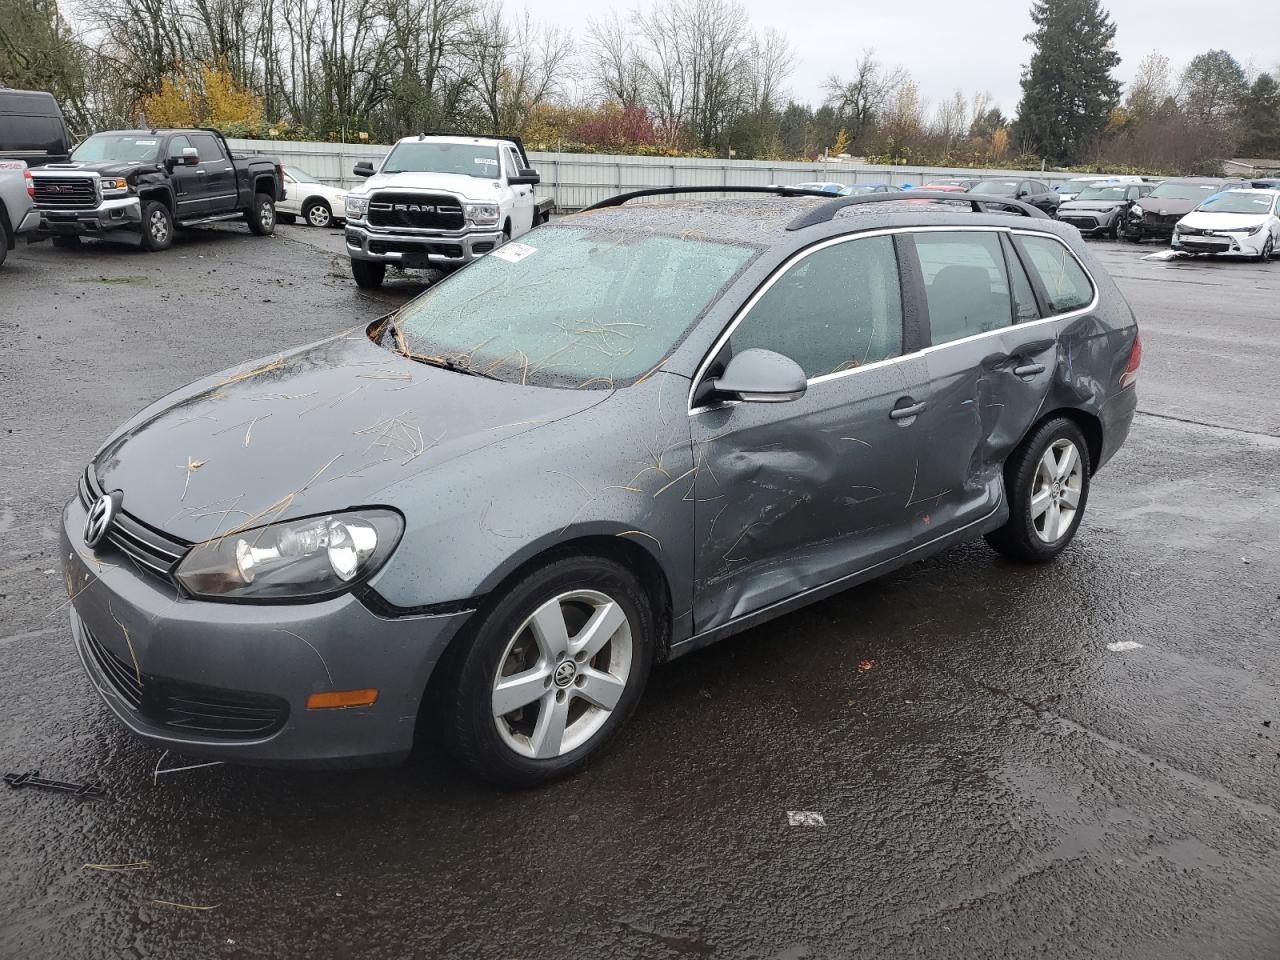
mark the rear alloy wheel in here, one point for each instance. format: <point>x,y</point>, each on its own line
<point>262,216</point>
<point>157,227</point>
<point>1047,485</point>
<point>318,214</point>
<point>556,667</point>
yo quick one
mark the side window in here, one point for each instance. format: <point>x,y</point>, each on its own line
<point>208,147</point>
<point>1024,300</point>
<point>1066,285</point>
<point>965,283</point>
<point>177,145</point>
<point>513,162</point>
<point>837,309</point>
<point>30,135</point>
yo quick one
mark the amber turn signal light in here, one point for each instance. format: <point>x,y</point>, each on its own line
<point>341,698</point>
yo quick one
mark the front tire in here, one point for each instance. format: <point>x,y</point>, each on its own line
<point>4,243</point>
<point>1047,485</point>
<point>369,274</point>
<point>553,671</point>
<point>1268,249</point>
<point>318,214</point>
<point>262,216</point>
<point>157,227</point>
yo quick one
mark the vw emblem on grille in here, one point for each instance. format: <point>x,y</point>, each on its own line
<point>98,523</point>
<point>565,673</point>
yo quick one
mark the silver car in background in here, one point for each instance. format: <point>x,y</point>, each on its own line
<point>17,213</point>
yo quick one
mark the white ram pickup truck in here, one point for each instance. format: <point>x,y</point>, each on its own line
<point>440,202</point>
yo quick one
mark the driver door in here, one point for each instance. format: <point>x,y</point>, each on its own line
<point>189,185</point>
<point>791,496</point>
<point>522,208</point>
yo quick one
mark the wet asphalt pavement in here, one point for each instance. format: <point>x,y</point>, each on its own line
<point>995,781</point>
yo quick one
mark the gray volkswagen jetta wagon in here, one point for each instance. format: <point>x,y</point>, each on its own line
<point>642,429</point>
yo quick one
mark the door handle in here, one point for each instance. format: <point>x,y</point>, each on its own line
<point>1028,369</point>
<point>200,172</point>
<point>903,413</point>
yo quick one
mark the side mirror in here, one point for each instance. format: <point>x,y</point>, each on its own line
<point>761,376</point>
<point>363,169</point>
<point>525,178</point>
<point>1023,194</point>
<point>189,157</point>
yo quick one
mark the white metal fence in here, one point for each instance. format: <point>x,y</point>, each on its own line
<point>575,180</point>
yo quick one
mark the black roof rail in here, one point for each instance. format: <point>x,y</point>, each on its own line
<point>622,198</point>
<point>825,212</point>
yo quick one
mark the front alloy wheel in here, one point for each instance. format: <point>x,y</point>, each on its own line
<point>562,674</point>
<point>546,674</point>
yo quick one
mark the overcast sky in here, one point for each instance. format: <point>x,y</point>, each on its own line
<point>977,47</point>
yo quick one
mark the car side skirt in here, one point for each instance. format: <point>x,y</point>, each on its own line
<point>991,521</point>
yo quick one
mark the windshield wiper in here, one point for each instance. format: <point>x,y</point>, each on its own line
<point>445,363</point>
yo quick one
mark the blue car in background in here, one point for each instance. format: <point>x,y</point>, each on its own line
<point>831,188</point>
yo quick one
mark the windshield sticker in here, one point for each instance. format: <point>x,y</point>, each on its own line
<point>486,161</point>
<point>145,143</point>
<point>514,252</point>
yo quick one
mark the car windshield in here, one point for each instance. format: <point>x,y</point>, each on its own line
<point>570,306</point>
<point>824,187</point>
<point>466,159</point>
<point>121,147</point>
<point>302,176</point>
<point>1101,193</point>
<point>857,191</point>
<point>1000,188</point>
<point>1239,201</point>
<point>1075,186</point>
<point>1184,191</point>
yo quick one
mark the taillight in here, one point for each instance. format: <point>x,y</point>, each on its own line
<point>31,183</point>
<point>1130,375</point>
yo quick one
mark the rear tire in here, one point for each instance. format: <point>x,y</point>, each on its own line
<point>369,274</point>
<point>4,243</point>
<point>581,684</point>
<point>262,216</point>
<point>1046,481</point>
<point>157,227</point>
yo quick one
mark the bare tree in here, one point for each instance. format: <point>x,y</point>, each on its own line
<point>615,68</point>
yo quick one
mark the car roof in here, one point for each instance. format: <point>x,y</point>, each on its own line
<point>763,220</point>
<point>473,141</point>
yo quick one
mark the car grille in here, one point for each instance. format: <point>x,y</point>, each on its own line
<point>65,192</point>
<point>452,250</point>
<point>188,707</point>
<point>1088,223</point>
<point>415,210</point>
<point>151,551</point>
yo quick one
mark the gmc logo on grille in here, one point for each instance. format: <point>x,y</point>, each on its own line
<point>58,188</point>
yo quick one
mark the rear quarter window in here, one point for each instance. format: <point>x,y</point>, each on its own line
<point>1067,287</point>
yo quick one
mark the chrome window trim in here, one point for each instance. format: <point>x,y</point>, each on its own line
<point>786,266</point>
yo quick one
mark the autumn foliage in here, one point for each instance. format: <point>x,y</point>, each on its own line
<point>206,95</point>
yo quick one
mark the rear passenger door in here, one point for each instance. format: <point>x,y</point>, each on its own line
<point>989,366</point>
<point>219,175</point>
<point>791,496</point>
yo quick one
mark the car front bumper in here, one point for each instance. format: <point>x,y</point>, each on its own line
<point>419,249</point>
<point>230,681</point>
<point>1236,243</point>
<point>1089,224</point>
<point>109,215</point>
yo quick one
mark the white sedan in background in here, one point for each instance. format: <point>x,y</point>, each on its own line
<point>1243,222</point>
<point>317,203</point>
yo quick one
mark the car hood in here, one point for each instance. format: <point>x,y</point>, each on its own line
<point>472,188</point>
<point>1167,206</point>
<point>321,429</point>
<point>1204,220</point>
<point>1069,205</point>
<point>104,168</point>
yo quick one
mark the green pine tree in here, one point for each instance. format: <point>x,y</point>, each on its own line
<point>1260,119</point>
<point>1068,91</point>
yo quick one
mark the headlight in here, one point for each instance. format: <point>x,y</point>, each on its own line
<point>114,184</point>
<point>295,560</point>
<point>481,213</point>
<point>356,206</point>
<point>1137,211</point>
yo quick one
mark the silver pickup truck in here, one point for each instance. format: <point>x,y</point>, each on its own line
<point>17,211</point>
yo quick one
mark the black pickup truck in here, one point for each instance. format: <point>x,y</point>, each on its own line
<point>151,181</point>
